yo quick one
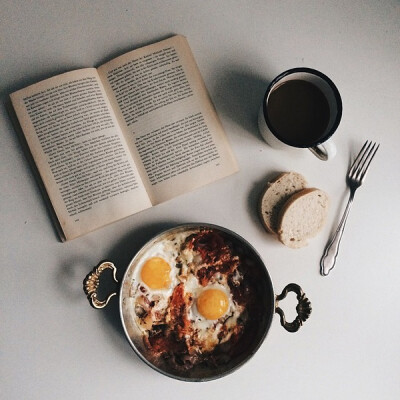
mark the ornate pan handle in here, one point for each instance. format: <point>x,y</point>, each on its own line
<point>303,308</point>
<point>91,283</point>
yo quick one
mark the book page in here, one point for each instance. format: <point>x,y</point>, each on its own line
<point>168,118</point>
<point>80,152</point>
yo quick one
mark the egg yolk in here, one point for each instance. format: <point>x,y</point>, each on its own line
<point>212,303</point>
<point>156,273</point>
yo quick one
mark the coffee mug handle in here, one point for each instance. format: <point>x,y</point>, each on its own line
<point>325,151</point>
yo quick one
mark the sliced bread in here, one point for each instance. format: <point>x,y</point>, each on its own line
<point>276,193</point>
<point>302,217</point>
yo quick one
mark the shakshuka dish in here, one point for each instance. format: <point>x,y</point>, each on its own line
<point>195,299</point>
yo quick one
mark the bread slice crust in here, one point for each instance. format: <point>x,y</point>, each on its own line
<point>302,217</point>
<point>275,195</point>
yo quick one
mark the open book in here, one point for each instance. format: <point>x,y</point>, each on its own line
<point>112,141</point>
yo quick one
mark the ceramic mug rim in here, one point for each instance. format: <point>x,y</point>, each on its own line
<point>336,95</point>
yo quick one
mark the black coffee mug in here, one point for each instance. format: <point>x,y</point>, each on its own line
<point>302,108</point>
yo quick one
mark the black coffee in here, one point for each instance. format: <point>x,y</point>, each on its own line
<point>298,112</point>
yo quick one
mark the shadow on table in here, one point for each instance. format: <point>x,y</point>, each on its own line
<point>238,95</point>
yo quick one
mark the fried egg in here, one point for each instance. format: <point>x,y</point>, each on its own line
<point>213,313</point>
<point>153,282</point>
<point>157,269</point>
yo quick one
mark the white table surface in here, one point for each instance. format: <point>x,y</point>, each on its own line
<point>55,346</point>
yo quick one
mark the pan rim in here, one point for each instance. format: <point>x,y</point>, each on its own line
<point>268,281</point>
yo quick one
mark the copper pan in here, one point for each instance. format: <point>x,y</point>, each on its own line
<point>251,339</point>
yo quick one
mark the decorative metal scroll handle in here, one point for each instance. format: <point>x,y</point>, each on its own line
<point>91,283</point>
<point>303,308</point>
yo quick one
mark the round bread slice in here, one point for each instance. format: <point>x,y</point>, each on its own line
<point>302,217</point>
<point>275,195</point>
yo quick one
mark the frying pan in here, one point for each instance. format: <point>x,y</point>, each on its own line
<point>260,316</point>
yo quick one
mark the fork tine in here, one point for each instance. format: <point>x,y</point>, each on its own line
<point>359,158</point>
<point>363,160</point>
<point>369,158</point>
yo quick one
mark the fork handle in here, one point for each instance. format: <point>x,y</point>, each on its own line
<point>328,260</point>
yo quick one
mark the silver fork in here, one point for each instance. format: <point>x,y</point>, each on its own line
<point>355,178</point>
